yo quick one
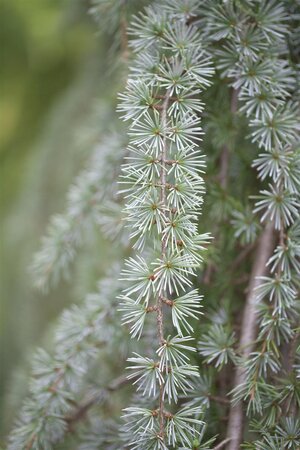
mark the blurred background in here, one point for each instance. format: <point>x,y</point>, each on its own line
<point>55,103</point>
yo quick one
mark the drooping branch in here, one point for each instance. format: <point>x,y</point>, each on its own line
<point>165,189</point>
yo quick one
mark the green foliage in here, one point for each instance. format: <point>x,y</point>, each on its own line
<point>66,231</point>
<point>180,49</point>
<point>163,187</point>
<point>217,346</point>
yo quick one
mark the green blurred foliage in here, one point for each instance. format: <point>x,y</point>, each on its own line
<point>40,53</point>
<point>51,63</point>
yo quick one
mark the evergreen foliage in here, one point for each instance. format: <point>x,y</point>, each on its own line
<point>163,188</point>
<point>234,67</point>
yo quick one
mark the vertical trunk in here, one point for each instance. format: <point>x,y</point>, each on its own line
<point>162,294</point>
<point>225,155</point>
<point>264,251</point>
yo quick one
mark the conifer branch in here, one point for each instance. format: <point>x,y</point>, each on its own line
<point>92,193</point>
<point>164,194</point>
<point>54,384</point>
<point>253,45</point>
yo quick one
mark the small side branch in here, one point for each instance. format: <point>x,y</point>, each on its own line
<point>221,444</point>
<point>79,414</point>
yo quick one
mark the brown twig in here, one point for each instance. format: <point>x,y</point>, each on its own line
<point>242,255</point>
<point>81,411</point>
<point>292,353</point>
<point>217,399</point>
<point>221,444</point>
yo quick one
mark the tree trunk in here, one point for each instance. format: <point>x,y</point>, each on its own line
<point>248,332</point>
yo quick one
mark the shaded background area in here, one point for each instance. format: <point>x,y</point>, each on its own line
<point>53,95</point>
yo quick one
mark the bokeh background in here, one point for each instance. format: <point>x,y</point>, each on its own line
<point>58,93</point>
